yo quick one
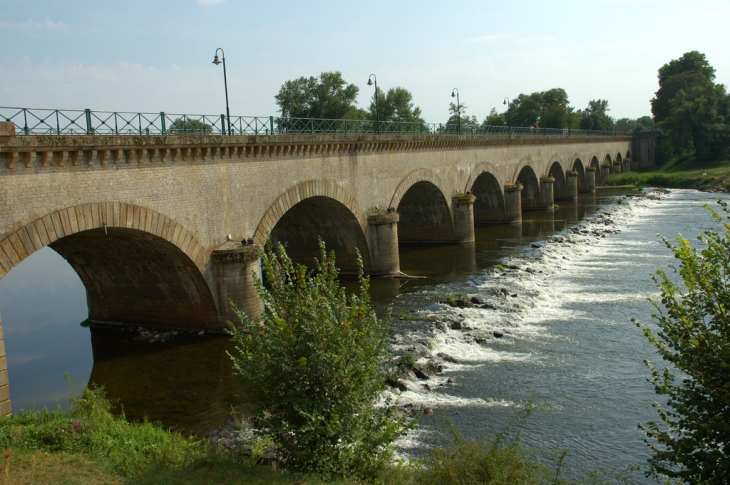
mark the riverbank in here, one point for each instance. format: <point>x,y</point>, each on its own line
<point>90,445</point>
<point>686,172</point>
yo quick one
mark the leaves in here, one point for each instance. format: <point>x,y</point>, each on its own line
<point>313,365</point>
<point>693,338</point>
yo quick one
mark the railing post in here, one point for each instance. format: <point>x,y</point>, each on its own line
<point>58,124</point>
<point>89,129</point>
<point>162,121</point>
<point>139,120</point>
<point>25,121</point>
<point>223,124</point>
<point>116,126</point>
<point>271,124</point>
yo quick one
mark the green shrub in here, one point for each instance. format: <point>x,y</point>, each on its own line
<point>90,428</point>
<point>694,337</point>
<point>314,366</point>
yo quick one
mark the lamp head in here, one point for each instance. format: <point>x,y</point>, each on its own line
<point>216,60</point>
<point>370,81</point>
<point>452,94</point>
<point>504,102</point>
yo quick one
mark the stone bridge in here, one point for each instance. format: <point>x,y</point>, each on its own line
<point>153,224</point>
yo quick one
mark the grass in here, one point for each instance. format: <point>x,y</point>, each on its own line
<point>685,172</point>
<point>91,445</point>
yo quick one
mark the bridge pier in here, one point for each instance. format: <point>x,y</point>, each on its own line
<point>5,407</point>
<point>626,166</point>
<point>383,229</point>
<point>513,203</point>
<point>236,268</point>
<point>616,167</point>
<point>463,209</point>
<point>591,179</point>
<point>571,185</point>
<point>547,198</point>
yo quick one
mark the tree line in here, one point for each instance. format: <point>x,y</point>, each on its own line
<point>329,96</point>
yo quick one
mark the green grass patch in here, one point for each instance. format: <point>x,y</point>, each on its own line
<point>680,173</point>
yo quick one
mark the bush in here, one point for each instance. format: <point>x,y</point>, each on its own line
<point>314,366</point>
<point>694,337</point>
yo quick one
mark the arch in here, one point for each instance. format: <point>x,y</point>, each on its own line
<point>300,192</point>
<point>425,217</point>
<point>560,187</point>
<point>419,175</point>
<point>628,155</point>
<point>619,158</point>
<point>530,188</point>
<point>137,265</point>
<point>316,208</point>
<point>489,205</point>
<point>578,167</point>
<point>319,216</point>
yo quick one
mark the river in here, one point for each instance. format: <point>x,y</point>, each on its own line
<point>561,301</point>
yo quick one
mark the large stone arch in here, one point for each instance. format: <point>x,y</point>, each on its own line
<point>314,209</point>
<point>416,176</point>
<point>138,266</point>
<point>560,187</point>
<point>489,206</point>
<point>596,164</point>
<point>531,197</point>
<point>425,217</point>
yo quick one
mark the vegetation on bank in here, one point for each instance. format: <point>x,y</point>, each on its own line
<point>685,172</point>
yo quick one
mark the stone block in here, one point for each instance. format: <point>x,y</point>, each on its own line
<point>7,128</point>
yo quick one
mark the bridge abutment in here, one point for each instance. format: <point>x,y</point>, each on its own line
<point>546,193</point>
<point>236,269</point>
<point>591,179</point>
<point>383,229</point>
<point>513,203</point>
<point>463,209</point>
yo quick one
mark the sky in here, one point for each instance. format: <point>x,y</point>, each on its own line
<point>156,55</point>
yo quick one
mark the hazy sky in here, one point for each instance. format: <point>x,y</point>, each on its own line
<point>155,55</point>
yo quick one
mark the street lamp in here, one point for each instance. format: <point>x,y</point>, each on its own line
<point>506,102</point>
<point>217,61</point>
<point>458,109</point>
<point>372,78</point>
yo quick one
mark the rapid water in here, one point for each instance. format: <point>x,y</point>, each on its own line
<point>567,340</point>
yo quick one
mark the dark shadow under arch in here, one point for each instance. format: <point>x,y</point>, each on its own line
<point>424,216</point>
<point>136,278</point>
<point>489,205</point>
<point>530,188</point>
<point>305,222</point>
<point>582,184</point>
<point>560,188</point>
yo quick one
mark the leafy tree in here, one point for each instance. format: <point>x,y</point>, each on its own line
<point>467,122</point>
<point>548,109</point>
<point>396,105</point>
<point>661,104</point>
<point>691,62</point>
<point>314,367</point>
<point>495,119</point>
<point>595,116</point>
<point>186,125</point>
<point>327,96</point>
<point>694,337</point>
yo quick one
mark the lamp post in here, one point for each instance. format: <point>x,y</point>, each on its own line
<point>458,109</point>
<point>506,101</point>
<point>372,78</point>
<point>217,61</point>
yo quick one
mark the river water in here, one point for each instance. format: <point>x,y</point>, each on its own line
<point>561,299</point>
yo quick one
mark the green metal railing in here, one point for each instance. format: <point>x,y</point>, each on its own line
<point>31,121</point>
